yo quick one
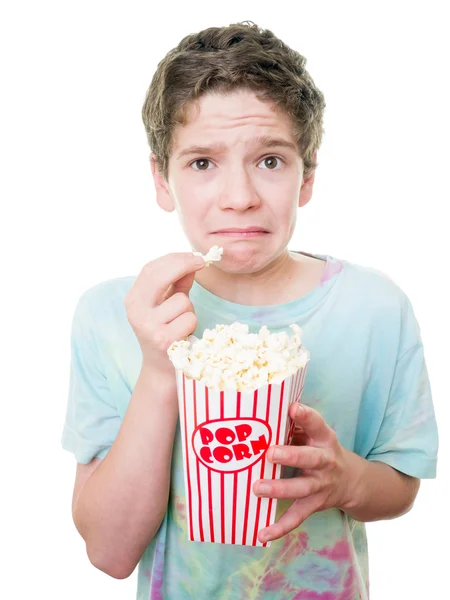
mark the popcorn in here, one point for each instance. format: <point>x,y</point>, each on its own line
<point>229,357</point>
<point>214,255</point>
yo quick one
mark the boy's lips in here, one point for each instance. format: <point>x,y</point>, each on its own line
<point>242,232</point>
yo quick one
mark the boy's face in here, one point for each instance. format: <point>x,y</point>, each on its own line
<point>235,164</point>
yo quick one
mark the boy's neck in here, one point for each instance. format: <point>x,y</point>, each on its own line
<point>288,278</point>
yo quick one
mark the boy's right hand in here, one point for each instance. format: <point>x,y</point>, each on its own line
<point>158,307</point>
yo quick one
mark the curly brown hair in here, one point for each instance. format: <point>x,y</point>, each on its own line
<point>224,59</point>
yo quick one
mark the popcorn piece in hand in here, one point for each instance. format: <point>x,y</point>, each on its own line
<point>214,255</point>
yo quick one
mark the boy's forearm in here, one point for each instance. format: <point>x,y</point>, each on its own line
<point>378,490</point>
<point>123,503</point>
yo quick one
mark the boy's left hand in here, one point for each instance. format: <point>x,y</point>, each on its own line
<point>325,479</point>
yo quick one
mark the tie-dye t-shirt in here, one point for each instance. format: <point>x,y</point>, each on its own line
<point>367,376</point>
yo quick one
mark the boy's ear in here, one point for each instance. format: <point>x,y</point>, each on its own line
<point>163,196</point>
<point>307,187</point>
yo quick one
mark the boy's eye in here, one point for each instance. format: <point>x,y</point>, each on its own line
<point>271,162</point>
<point>202,164</point>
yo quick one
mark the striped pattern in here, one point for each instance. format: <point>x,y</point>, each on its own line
<point>221,507</point>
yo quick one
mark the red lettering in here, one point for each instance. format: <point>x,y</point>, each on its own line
<point>243,431</point>
<point>206,435</point>
<point>259,445</point>
<point>205,454</point>
<point>241,451</point>
<point>222,454</point>
<point>225,435</point>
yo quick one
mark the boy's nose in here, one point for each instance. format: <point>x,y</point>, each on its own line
<point>238,191</point>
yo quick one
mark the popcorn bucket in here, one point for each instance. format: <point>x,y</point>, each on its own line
<point>225,436</point>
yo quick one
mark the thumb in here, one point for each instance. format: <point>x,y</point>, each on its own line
<point>312,423</point>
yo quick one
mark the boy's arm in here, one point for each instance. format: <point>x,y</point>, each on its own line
<point>332,477</point>
<point>377,490</point>
<point>122,504</point>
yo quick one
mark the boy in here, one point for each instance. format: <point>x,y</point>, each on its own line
<point>234,122</point>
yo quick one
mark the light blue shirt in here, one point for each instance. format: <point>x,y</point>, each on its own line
<point>367,376</point>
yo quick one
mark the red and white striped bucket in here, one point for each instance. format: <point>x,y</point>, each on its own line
<point>225,436</point>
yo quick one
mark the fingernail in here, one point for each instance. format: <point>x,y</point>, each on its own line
<point>299,410</point>
<point>199,261</point>
<point>263,488</point>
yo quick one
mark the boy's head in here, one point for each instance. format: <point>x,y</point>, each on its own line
<point>214,108</point>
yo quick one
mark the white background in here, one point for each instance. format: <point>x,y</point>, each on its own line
<point>78,208</point>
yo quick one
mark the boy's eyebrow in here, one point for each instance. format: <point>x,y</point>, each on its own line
<point>218,148</point>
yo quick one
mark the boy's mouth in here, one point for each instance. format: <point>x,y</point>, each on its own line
<point>242,232</point>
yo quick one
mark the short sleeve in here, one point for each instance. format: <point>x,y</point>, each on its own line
<point>92,419</point>
<point>408,436</point>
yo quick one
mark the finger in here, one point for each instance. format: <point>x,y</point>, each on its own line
<point>156,277</point>
<point>295,515</point>
<point>312,422</point>
<point>296,487</point>
<point>181,327</point>
<point>302,457</point>
<point>172,308</point>
<point>178,275</point>
<point>182,286</point>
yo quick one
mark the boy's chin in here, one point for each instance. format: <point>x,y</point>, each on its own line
<point>244,266</point>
